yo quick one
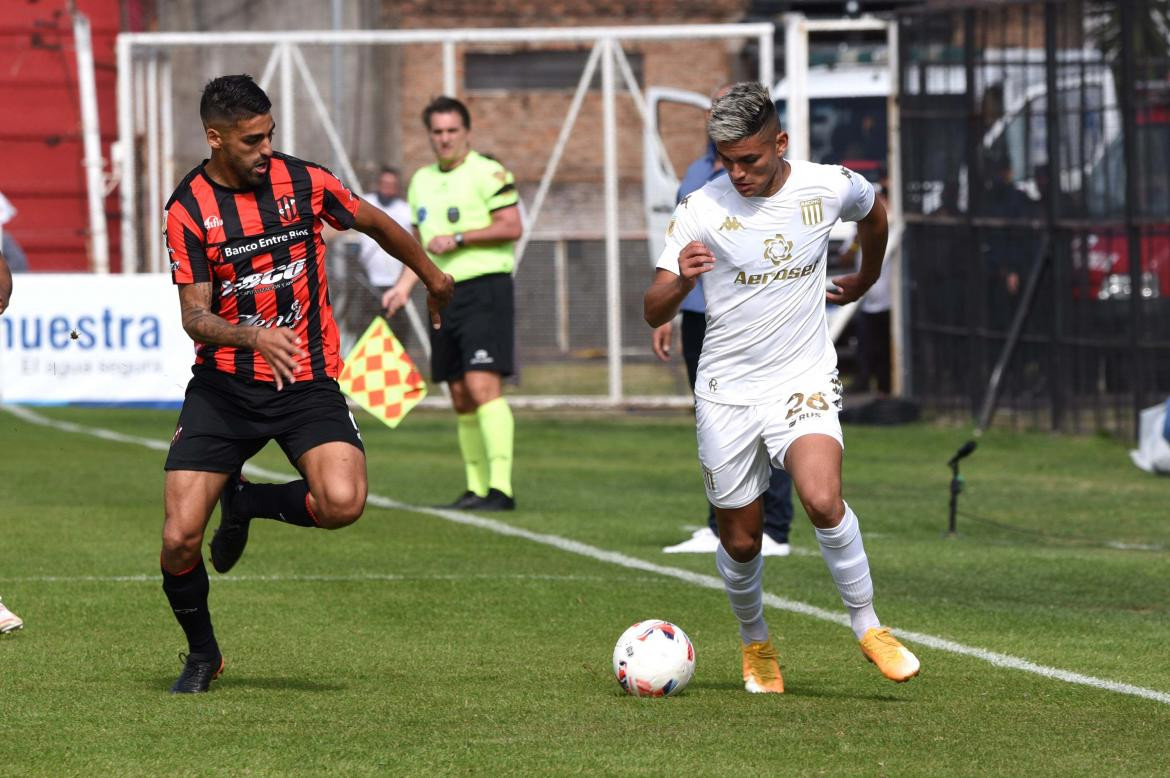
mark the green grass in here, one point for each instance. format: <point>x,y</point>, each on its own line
<point>410,645</point>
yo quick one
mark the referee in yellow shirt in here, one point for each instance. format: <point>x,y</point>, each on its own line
<point>466,214</point>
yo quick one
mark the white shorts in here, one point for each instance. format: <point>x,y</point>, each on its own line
<point>739,444</point>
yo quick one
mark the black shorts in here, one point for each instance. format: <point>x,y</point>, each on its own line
<point>477,329</point>
<point>226,421</point>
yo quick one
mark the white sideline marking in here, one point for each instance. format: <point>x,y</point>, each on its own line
<point>632,563</point>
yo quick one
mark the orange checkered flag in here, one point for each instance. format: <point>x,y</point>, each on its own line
<point>380,376</point>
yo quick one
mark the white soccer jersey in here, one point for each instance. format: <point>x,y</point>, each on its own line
<point>766,292</point>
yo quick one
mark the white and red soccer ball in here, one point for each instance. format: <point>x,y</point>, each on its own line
<point>653,658</point>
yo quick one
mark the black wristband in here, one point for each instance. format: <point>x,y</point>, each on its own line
<point>459,239</point>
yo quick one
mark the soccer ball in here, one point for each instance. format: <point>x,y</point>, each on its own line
<point>653,658</point>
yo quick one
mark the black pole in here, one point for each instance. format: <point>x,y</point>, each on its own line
<point>957,484</point>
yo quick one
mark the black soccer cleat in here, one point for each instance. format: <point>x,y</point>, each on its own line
<point>198,673</point>
<point>495,500</point>
<point>468,499</point>
<point>231,536</point>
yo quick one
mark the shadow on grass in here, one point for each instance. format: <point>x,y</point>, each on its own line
<point>272,683</point>
<point>798,691</point>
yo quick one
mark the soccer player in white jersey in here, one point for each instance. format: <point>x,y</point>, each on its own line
<point>767,387</point>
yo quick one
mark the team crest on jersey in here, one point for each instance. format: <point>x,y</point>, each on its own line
<point>287,208</point>
<point>730,224</point>
<point>777,250</point>
<point>812,212</point>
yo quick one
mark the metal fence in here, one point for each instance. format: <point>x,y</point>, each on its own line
<point>1036,185</point>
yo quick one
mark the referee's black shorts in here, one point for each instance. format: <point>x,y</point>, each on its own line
<point>477,329</point>
<point>226,420</point>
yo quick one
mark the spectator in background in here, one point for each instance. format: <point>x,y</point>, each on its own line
<point>17,262</point>
<point>9,621</point>
<point>873,313</point>
<point>379,271</point>
<point>778,497</point>
<point>466,214</point>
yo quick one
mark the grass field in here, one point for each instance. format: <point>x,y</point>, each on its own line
<point>415,644</point>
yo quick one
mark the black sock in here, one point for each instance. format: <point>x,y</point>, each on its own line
<point>284,502</point>
<point>188,597</point>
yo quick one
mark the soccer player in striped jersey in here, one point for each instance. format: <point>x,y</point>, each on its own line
<point>243,230</point>
<point>767,391</point>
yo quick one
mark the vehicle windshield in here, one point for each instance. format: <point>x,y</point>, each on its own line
<point>849,131</point>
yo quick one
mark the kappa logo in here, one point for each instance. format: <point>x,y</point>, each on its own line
<point>683,202</point>
<point>777,250</point>
<point>211,222</point>
<point>287,208</point>
<point>845,172</point>
<point>812,212</point>
<point>730,224</point>
<point>713,384</point>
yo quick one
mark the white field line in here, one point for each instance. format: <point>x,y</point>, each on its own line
<point>632,563</point>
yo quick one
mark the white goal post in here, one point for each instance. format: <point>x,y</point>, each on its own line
<point>607,373</point>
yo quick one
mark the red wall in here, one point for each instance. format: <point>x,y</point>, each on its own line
<point>41,150</point>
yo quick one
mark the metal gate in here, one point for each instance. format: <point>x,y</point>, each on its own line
<point>1036,186</point>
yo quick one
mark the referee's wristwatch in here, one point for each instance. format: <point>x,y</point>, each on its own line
<point>458,239</point>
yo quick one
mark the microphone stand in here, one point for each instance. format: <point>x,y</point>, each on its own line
<point>957,485</point>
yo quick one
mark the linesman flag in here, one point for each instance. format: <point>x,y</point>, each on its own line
<point>380,376</point>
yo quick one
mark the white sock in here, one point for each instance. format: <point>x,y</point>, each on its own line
<point>743,582</point>
<point>844,553</point>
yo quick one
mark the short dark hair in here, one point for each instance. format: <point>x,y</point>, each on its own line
<point>389,169</point>
<point>228,99</point>
<point>444,104</point>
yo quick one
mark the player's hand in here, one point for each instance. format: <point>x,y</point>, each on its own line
<point>3,303</point>
<point>694,260</point>
<point>849,288</point>
<point>660,341</point>
<point>394,300</point>
<point>442,244</point>
<point>280,347</point>
<point>439,296</point>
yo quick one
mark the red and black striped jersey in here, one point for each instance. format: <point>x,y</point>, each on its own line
<point>262,252</point>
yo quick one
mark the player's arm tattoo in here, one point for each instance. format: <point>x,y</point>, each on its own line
<point>206,327</point>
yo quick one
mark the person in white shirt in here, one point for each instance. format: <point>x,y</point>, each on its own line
<point>767,390</point>
<point>382,271</point>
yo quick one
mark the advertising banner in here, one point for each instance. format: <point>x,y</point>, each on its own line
<point>81,338</point>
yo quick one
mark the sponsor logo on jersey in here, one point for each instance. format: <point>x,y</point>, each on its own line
<point>730,224</point>
<point>276,277</point>
<point>287,208</point>
<point>211,222</point>
<point>812,212</point>
<point>777,250</point>
<point>783,274</point>
<point>295,314</point>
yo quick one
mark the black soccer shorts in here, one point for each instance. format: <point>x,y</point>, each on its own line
<point>225,421</point>
<point>477,329</point>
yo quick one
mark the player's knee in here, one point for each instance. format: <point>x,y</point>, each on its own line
<point>741,546</point>
<point>180,545</point>
<point>824,507</point>
<point>340,507</point>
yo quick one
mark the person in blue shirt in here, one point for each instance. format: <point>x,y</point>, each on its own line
<point>778,498</point>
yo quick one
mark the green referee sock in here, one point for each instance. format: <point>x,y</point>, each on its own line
<point>471,446</point>
<point>497,428</point>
